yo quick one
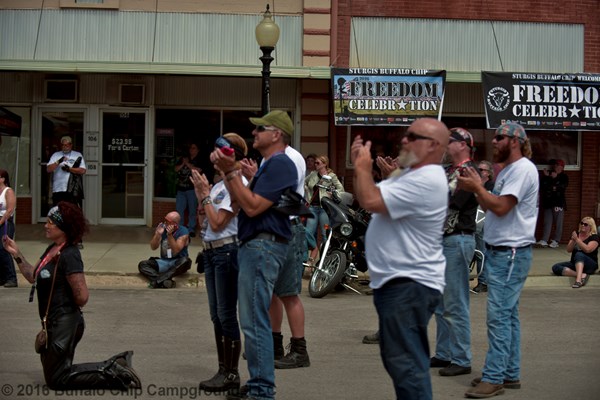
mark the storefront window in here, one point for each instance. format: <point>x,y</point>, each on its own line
<point>176,129</point>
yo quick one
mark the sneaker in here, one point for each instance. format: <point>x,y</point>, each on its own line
<point>553,244</point>
<point>454,370</point>
<point>542,243</point>
<point>371,339</point>
<point>11,284</point>
<point>480,288</point>
<point>437,363</point>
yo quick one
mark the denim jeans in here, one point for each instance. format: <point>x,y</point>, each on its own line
<point>589,266</point>
<point>289,282</point>
<point>480,245</point>
<point>260,261</point>
<point>320,219</point>
<point>221,276</point>
<point>7,266</point>
<point>453,339</point>
<point>186,199</point>
<point>405,308</point>
<point>507,271</point>
<point>551,215</point>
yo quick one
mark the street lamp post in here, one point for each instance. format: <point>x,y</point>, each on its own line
<point>267,35</point>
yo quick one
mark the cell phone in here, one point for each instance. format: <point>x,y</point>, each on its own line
<point>228,151</point>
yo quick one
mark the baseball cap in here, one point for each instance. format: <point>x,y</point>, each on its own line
<point>462,135</point>
<point>277,118</point>
<point>558,161</point>
<point>512,130</point>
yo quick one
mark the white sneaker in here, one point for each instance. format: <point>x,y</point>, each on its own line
<point>542,243</point>
<point>553,244</point>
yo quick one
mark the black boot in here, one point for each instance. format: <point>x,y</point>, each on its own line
<point>278,351</point>
<point>296,358</point>
<point>229,380</point>
<point>125,377</point>
<point>213,382</point>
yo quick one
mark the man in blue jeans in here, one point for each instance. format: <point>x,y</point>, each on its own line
<point>264,234</point>
<point>453,340</point>
<point>509,232</point>
<point>404,250</point>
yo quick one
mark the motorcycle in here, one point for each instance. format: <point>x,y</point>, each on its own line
<point>343,248</point>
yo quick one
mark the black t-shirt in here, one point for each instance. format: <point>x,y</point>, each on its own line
<point>69,262</point>
<point>594,254</point>
<point>462,205</point>
<point>183,175</point>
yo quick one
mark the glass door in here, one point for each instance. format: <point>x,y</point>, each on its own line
<point>123,167</point>
<point>54,125</point>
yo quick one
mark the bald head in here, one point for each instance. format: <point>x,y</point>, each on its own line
<point>173,216</point>
<point>430,139</point>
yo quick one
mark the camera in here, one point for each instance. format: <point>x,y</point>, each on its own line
<point>65,168</point>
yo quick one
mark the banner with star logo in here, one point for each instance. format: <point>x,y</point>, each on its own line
<point>386,96</point>
<point>548,101</point>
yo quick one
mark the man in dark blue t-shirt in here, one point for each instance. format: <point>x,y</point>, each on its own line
<point>264,234</point>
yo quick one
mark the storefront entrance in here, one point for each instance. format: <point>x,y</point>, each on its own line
<point>114,144</point>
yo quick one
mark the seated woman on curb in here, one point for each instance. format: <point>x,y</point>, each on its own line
<point>583,247</point>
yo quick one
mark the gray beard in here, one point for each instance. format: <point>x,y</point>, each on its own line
<point>407,159</point>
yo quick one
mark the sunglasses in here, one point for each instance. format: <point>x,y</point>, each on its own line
<point>584,224</point>
<point>412,136</point>
<point>499,138</point>
<point>262,128</point>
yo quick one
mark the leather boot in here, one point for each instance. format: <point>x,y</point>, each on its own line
<point>297,357</point>
<point>213,382</point>
<point>229,380</point>
<point>123,376</point>
<point>278,351</point>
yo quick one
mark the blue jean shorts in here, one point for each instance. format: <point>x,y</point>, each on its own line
<point>289,281</point>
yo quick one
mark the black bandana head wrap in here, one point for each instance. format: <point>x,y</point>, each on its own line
<point>57,218</point>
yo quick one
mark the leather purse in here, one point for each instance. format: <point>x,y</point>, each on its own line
<point>41,339</point>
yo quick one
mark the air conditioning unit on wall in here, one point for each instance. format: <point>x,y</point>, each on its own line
<point>132,93</point>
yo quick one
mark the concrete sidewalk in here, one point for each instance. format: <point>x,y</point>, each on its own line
<point>111,255</point>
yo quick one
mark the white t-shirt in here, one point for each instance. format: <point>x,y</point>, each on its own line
<point>222,200</point>
<point>300,164</point>
<point>407,241</point>
<point>517,227</point>
<point>61,178</point>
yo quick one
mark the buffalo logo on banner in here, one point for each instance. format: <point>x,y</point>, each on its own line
<point>544,101</point>
<point>386,96</point>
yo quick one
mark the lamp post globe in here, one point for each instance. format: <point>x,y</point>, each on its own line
<point>267,35</point>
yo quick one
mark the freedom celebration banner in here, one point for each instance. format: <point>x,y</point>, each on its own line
<point>542,100</point>
<point>386,96</point>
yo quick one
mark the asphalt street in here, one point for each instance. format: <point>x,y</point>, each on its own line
<point>171,334</point>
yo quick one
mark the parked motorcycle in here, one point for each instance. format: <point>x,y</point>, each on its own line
<point>343,248</point>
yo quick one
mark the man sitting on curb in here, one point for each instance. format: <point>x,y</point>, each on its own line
<point>173,240</point>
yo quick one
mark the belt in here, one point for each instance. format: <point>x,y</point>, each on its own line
<point>269,236</point>
<point>504,248</point>
<point>215,244</point>
<point>295,221</point>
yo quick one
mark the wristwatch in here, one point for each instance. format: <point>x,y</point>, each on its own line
<point>19,260</point>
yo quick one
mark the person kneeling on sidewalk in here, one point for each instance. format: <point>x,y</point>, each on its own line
<point>173,241</point>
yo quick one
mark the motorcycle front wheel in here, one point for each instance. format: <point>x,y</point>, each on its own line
<point>324,280</point>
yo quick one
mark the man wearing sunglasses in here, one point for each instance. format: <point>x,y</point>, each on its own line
<point>264,235</point>
<point>453,339</point>
<point>404,249</point>
<point>509,232</point>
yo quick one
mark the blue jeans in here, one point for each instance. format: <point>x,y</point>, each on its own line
<point>453,339</point>
<point>289,282</point>
<point>7,266</point>
<point>320,219</point>
<point>221,276</point>
<point>259,261</point>
<point>589,266</point>
<point>405,308</point>
<point>507,271</point>
<point>480,245</point>
<point>186,199</point>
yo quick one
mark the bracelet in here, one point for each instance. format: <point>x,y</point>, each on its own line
<point>207,200</point>
<point>19,260</point>
<point>232,174</point>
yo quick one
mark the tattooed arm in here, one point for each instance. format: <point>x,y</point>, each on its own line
<point>79,288</point>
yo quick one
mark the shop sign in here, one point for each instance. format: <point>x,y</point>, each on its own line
<point>386,96</point>
<point>548,101</point>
